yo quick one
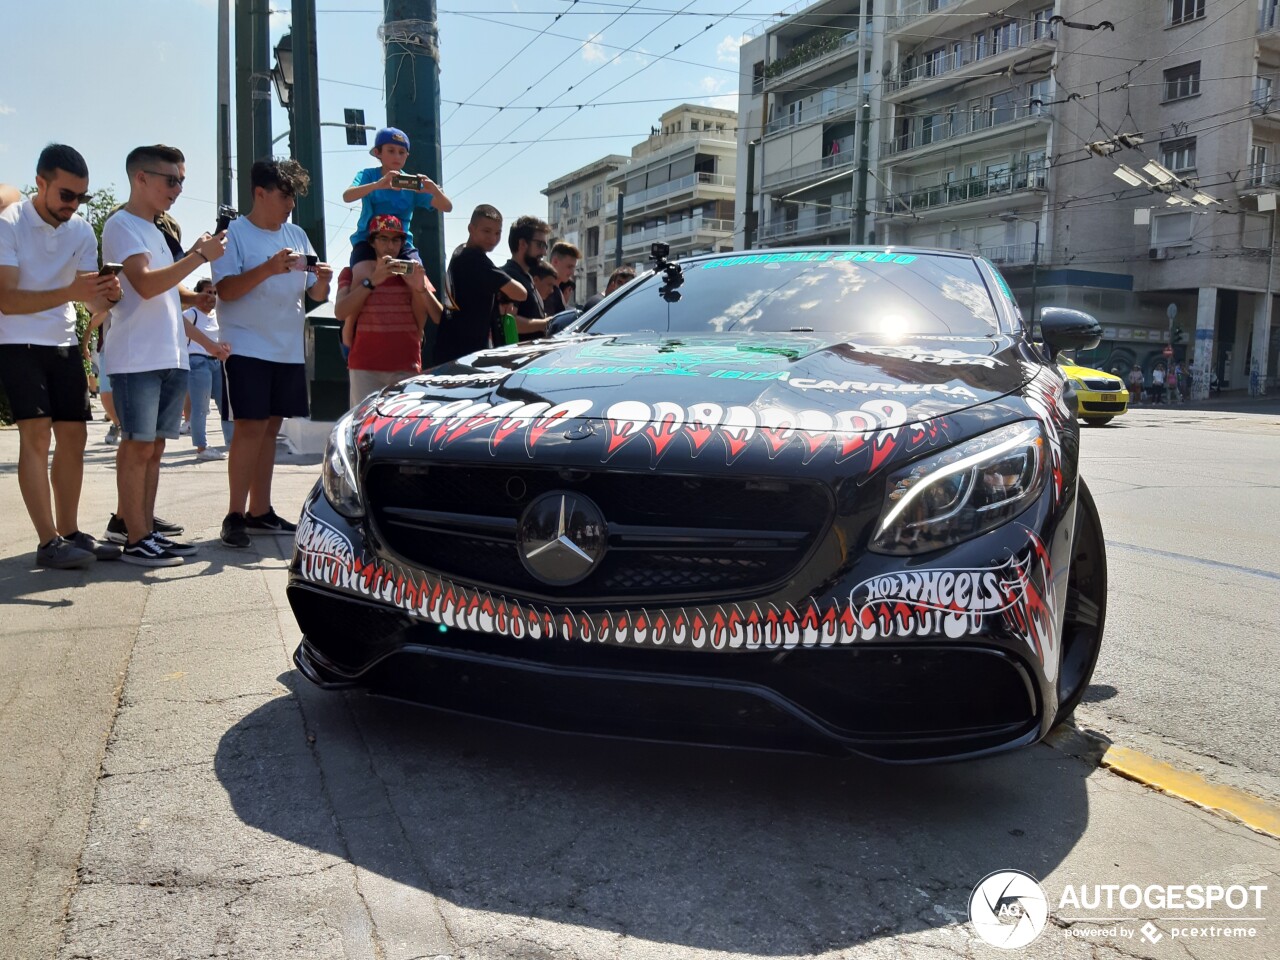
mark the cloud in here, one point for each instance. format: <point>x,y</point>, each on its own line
<point>727,49</point>
<point>6,110</point>
<point>592,52</point>
<point>714,85</point>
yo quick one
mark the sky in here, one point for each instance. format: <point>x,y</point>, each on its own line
<point>108,75</point>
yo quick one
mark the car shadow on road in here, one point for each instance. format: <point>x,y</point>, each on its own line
<point>762,853</point>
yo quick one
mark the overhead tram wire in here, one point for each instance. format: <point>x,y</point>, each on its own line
<point>571,55</point>
<point>678,46</point>
<point>509,61</point>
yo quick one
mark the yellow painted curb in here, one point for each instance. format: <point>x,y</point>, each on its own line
<point>1252,811</point>
<point>1245,808</point>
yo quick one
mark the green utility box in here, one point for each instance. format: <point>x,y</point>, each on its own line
<point>326,370</point>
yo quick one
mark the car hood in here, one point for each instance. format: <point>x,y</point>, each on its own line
<point>921,377</point>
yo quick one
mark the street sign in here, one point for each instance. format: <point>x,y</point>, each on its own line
<point>1172,312</point>
<point>1168,351</point>
<point>355,127</point>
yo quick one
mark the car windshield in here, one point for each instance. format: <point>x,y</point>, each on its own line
<point>851,292</point>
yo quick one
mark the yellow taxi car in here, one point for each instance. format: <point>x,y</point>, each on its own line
<point>1100,396</point>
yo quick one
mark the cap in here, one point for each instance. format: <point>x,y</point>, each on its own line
<point>389,135</point>
<point>386,223</point>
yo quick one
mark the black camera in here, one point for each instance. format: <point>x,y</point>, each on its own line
<point>225,216</point>
<point>659,251</point>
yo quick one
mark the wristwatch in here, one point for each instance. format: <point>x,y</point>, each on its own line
<point>367,284</point>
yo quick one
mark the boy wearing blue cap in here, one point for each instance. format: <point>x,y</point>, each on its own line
<point>379,193</point>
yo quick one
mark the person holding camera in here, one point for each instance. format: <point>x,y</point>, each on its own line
<point>383,315</point>
<point>269,270</point>
<point>48,262</point>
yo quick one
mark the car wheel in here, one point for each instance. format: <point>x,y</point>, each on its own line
<point>1086,612</point>
<point>1097,421</point>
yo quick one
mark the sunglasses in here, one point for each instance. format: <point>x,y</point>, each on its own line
<point>169,178</point>
<point>70,196</point>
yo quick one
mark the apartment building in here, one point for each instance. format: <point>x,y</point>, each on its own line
<point>576,210</point>
<point>803,84</point>
<point>1127,170</point>
<point>678,186</point>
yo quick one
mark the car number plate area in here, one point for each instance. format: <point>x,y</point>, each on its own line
<point>1109,398</point>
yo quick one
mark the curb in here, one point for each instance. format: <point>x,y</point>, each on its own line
<point>1230,803</point>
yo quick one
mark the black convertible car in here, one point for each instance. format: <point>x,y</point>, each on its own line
<point>814,499</point>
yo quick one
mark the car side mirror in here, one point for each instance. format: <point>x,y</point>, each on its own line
<point>561,320</point>
<point>1067,329</point>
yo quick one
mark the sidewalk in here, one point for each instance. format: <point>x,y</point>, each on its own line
<point>171,788</point>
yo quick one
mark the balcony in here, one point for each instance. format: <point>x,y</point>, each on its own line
<point>1021,36</point>
<point>817,50</point>
<point>912,10</point>
<point>680,228</point>
<point>840,101</point>
<point>809,223</point>
<point>1009,254</point>
<point>845,156</point>
<point>1262,175</point>
<point>692,181</point>
<point>961,125</point>
<point>964,191</point>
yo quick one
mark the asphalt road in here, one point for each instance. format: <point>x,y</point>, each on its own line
<point>1190,504</point>
<point>171,788</point>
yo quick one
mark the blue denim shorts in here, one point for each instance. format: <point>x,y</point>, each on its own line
<point>149,404</point>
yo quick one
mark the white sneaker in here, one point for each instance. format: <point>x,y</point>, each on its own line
<point>185,429</point>
<point>210,453</point>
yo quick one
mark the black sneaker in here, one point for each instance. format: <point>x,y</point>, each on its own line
<point>177,548</point>
<point>100,550</point>
<point>60,554</point>
<point>234,533</point>
<point>167,528</point>
<point>117,532</point>
<point>269,522</point>
<point>148,553</point>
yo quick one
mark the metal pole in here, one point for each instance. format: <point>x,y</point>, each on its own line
<point>224,102</point>
<point>617,240</point>
<point>260,81</point>
<point>1035,270</point>
<point>304,117</point>
<point>244,104</point>
<point>864,162</point>
<point>412,61</point>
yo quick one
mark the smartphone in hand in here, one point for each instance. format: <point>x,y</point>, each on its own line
<point>110,269</point>
<point>305,263</point>
<point>400,268</point>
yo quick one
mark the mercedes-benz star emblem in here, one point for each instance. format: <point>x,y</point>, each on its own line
<point>562,536</point>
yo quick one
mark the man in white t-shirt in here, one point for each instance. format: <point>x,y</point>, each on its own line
<point>146,353</point>
<point>262,283</point>
<point>48,261</point>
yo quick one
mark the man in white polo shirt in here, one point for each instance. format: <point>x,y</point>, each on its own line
<point>48,261</point>
<point>146,353</point>
<point>261,286</point>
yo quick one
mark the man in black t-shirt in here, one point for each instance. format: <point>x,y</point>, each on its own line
<point>471,287</point>
<point>527,239</point>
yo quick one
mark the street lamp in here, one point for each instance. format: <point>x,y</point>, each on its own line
<point>1035,256</point>
<point>282,72</point>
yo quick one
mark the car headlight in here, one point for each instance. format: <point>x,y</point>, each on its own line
<point>963,491</point>
<point>338,473</point>
<point>1078,384</point>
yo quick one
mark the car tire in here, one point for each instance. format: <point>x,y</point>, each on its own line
<point>1086,610</point>
<point>1097,421</point>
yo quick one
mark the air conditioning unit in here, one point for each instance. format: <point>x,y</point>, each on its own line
<point>1158,253</point>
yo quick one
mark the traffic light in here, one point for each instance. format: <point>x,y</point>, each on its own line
<point>354,120</point>
<point>1178,337</point>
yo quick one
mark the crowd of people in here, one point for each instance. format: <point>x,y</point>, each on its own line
<point>157,351</point>
<point>1170,384</point>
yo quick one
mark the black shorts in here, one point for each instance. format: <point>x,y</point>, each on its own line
<point>45,382</point>
<point>254,389</point>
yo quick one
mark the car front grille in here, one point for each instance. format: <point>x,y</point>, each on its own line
<point>1105,384</point>
<point>1107,406</point>
<point>672,537</point>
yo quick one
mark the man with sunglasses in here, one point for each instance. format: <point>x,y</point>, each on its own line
<point>527,240</point>
<point>48,262</point>
<point>146,351</point>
